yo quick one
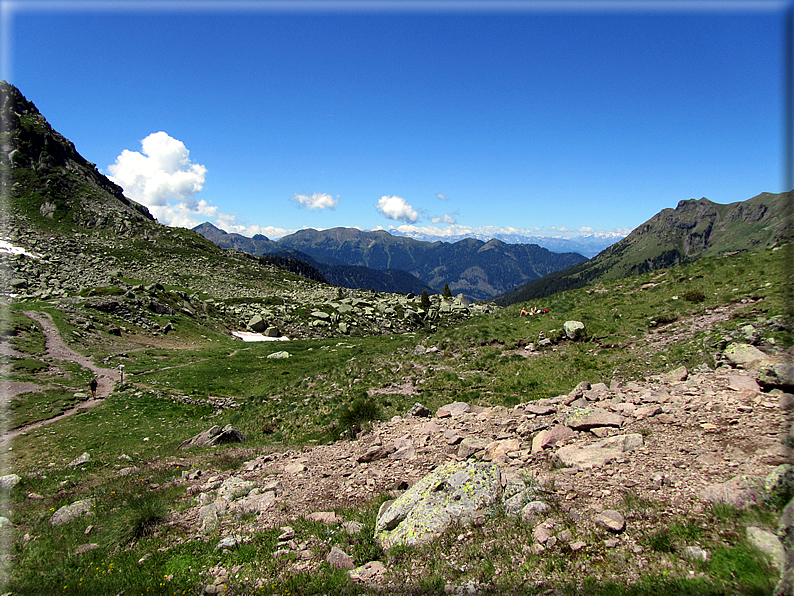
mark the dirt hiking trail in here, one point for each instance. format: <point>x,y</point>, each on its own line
<point>58,350</point>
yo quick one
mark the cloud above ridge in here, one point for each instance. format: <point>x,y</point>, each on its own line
<point>163,178</point>
<point>398,209</point>
<point>447,218</point>
<point>317,200</point>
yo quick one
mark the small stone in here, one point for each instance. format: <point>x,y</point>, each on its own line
<point>367,572</point>
<point>80,460</point>
<point>352,527</point>
<point>327,517</point>
<point>610,520</point>
<point>696,553</point>
<point>84,548</point>
<point>339,559</point>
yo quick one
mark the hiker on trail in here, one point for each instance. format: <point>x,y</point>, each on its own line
<point>93,385</point>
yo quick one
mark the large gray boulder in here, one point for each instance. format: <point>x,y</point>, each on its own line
<point>745,355</point>
<point>214,436</point>
<point>455,491</point>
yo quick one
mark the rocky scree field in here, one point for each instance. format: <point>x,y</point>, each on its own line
<point>640,455</point>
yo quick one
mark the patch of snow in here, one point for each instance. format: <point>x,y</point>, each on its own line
<point>9,248</point>
<point>247,336</point>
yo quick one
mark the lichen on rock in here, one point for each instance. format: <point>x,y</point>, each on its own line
<point>456,491</point>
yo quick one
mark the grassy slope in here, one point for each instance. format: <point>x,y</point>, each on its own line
<point>300,398</point>
<point>693,230</point>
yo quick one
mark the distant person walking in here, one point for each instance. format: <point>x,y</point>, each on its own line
<point>93,385</point>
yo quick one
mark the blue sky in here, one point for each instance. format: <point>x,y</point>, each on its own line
<point>541,117</point>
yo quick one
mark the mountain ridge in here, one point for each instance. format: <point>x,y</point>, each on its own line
<point>695,228</point>
<point>478,269</point>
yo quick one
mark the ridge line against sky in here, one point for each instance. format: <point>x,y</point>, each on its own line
<point>502,190</point>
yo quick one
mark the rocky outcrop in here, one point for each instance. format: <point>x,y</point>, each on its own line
<point>214,436</point>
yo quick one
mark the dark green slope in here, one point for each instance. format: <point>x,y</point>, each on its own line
<point>694,229</point>
<point>349,276</point>
<point>46,182</point>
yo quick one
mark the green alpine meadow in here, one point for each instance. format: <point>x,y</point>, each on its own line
<point>612,426</point>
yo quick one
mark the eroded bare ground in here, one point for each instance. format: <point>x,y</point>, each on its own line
<point>701,431</point>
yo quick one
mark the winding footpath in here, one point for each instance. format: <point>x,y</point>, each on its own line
<point>58,350</point>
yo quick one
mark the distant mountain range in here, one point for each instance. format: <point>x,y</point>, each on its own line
<point>694,229</point>
<point>588,245</point>
<point>479,270</point>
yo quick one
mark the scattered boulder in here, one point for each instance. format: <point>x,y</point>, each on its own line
<point>573,329</point>
<point>550,437</point>
<point>777,373</point>
<point>586,457</point>
<point>785,532</point>
<point>376,452</point>
<point>453,410</point>
<point>80,460</point>
<point>9,481</point>
<point>339,559</point>
<point>279,355</point>
<point>69,512</point>
<point>454,491</point>
<point>769,544</point>
<point>418,410</point>
<point>368,571</point>
<point>214,436</point>
<point>257,324</point>
<point>586,418</point>
<point>610,520</point>
<point>471,445</point>
<point>744,355</point>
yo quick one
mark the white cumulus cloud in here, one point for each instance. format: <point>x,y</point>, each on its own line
<point>228,223</point>
<point>443,197</point>
<point>163,178</point>
<point>317,200</point>
<point>447,218</point>
<point>398,209</point>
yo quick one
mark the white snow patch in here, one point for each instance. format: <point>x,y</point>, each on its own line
<point>9,248</point>
<point>247,336</point>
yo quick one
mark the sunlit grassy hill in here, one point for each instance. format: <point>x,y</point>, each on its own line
<point>694,229</point>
